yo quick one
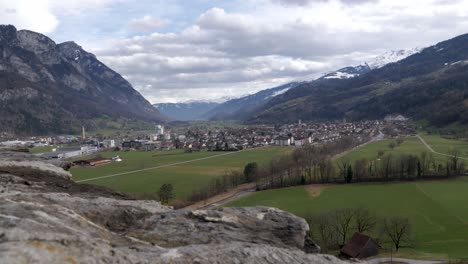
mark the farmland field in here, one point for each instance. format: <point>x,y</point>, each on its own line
<point>437,210</point>
<point>410,145</point>
<point>185,177</point>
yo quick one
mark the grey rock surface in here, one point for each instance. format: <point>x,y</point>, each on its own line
<point>42,223</point>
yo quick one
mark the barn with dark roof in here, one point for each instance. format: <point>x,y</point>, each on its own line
<point>360,246</point>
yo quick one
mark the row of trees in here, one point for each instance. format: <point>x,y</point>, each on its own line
<point>403,167</point>
<point>314,164</point>
<point>331,230</point>
<point>306,165</point>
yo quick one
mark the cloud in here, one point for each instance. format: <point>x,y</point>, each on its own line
<point>308,2</point>
<point>32,15</point>
<point>239,46</point>
<point>146,24</point>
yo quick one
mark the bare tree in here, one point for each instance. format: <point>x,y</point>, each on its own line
<point>322,232</point>
<point>364,219</point>
<point>397,230</point>
<point>342,220</point>
<point>392,145</point>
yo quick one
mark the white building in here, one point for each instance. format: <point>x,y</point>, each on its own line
<point>160,130</point>
<point>109,143</point>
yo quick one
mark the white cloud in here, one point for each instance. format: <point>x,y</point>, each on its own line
<point>33,15</point>
<point>240,46</point>
<point>146,24</point>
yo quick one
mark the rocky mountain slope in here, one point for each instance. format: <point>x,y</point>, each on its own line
<point>55,88</point>
<point>195,110</point>
<point>430,85</point>
<point>47,218</point>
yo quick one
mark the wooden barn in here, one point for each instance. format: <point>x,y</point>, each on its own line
<point>360,246</point>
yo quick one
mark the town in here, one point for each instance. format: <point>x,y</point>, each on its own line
<point>197,138</point>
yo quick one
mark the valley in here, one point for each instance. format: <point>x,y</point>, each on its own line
<point>436,208</point>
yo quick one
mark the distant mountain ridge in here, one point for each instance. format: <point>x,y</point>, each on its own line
<point>56,88</point>
<point>240,108</point>
<point>194,110</point>
<point>431,84</point>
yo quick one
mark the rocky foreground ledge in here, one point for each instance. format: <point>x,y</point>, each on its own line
<point>47,218</point>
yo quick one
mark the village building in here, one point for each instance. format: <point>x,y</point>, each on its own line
<point>360,246</point>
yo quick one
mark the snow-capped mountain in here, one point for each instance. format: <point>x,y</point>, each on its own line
<point>392,56</point>
<point>347,72</point>
<point>376,63</point>
<point>191,110</point>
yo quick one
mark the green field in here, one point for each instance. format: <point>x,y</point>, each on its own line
<point>44,149</point>
<point>437,210</point>
<point>443,145</point>
<point>410,145</point>
<point>185,178</point>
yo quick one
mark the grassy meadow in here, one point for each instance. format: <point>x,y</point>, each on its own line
<point>185,178</point>
<point>438,210</point>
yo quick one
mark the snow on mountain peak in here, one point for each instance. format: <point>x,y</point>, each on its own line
<point>392,56</point>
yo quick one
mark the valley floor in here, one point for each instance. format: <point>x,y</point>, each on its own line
<point>143,173</point>
<point>437,209</point>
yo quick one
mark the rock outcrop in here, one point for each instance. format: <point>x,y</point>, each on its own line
<point>42,222</point>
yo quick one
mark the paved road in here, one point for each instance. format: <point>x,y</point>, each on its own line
<point>433,151</point>
<point>162,166</point>
<point>409,261</point>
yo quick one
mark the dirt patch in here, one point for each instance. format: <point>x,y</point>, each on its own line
<point>315,190</point>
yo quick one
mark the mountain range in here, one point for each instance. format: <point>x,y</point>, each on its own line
<point>57,88</point>
<point>430,85</point>
<point>194,110</point>
<point>244,107</point>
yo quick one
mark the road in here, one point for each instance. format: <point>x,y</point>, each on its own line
<point>229,199</point>
<point>433,151</point>
<point>409,261</point>
<point>163,166</point>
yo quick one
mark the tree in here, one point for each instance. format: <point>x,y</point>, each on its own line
<point>165,193</point>
<point>392,145</point>
<point>365,220</point>
<point>349,174</point>
<point>342,220</point>
<point>250,171</point>
<point>343,165</point>
<point>397,230</point>
<point>380,153</point>
<point>399,141</point>
<point>322,232</point>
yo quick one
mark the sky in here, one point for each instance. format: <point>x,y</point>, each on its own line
<point>180,50</point>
